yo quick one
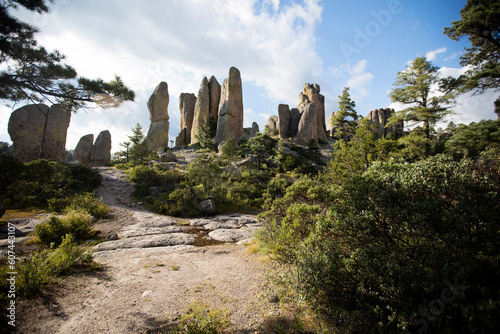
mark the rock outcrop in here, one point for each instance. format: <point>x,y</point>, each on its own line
<point>201,110</point>
<point>308,125</point>
<point>157,136</point>
<point>272,123</point>
<point>380,118</point>
<point>187,102</point>
<point>39,132</point>
<point>101,150</point>
<point>305,122</point>
<point>311,94</point>
<point>83,150</point>
<point>230,118</point>
<point>250,132</point>
<point>214,89</point>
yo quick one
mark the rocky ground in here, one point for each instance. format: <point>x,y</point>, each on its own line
<point>156,268</point>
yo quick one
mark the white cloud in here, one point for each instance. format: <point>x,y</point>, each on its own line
<point>356,78</point>
<point>431,55</point>
<point>273,44</point>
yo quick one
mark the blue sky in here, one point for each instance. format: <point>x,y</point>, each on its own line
<point>277,45</point>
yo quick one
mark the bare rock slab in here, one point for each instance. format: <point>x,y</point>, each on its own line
<point>171,239</point>
<point>230,235</point>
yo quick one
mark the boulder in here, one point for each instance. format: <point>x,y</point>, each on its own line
<point>39,132</point>
<point>214,89</point>
<point>207,206</point>
<point>157,136</point>
<point>201,110</point>
<point>250,132</point>
<point>168,156</point>
<point>230,120</point>
<point>187,102</point>
<point>101,151</point>
<point>83,149</point>
<point>284,120</point>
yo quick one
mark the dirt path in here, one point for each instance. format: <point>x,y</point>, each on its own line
<point>141,288</point>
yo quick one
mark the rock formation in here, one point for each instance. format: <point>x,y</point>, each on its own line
<point>380,118</point>
<point>157,136</point>
<point>311,94</point>
<point>284,121</point>
<point>39,132</point>
<point>101,150</point>
<point>272,122</point>
<point>308,125</point>
<point>230,120</point>
<point>83,150</point>
<point>250,132</point>
<point>214,89</point>
<point>201,110</point>
<point>305,122</point>
<point>187,102</point>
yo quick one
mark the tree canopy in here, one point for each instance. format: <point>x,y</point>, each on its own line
<point>32,73</point>
<point>480,21</point>
<point>415,87</point>
<point>344,121</point>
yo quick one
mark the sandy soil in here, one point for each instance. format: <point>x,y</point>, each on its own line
<point>139,290</point>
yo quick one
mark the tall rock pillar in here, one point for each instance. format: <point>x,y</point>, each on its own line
<point>157,136</point>
<point>230,121</point>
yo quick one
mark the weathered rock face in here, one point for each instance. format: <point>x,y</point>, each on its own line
<point>83,149</point>
<point>187,102</point>
<point>250,132</point>
<point>294,123</point>
<point>214,89</point>
<point>307,129</point>
<point>380,118</point>
<point>272,122</point>
<point>157,136</point>
<point>201,109</point>
<point>101,151</point>
<point>39,132</point>
<point>311,94</point>
<point>284,120</point>
<point>230,120</point>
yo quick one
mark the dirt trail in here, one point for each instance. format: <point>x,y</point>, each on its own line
<point>141,289</point>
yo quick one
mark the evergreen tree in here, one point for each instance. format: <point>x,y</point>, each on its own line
<point>139,151</point>
<point>31,73</point>
<point>480,21</point>
<point>414,88</point>
<point>344,121</point>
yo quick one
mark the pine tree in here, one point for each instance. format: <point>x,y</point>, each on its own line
<point>414,88</point>
<point>344,121</point>
<point>139,151</point>
<point>31,73</point>
<point>480,21</point>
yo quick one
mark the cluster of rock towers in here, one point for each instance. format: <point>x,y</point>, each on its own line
<point>221,104</point>
<point>39,131</point>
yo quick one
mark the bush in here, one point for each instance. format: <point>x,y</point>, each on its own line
<point>76,223</point>
<point>41,268</point>
<point>379,253</point>
<point>201,319</point>
<point>86,202</point>
<point>32,184</point>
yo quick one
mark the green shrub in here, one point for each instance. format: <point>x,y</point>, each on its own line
<point>374,253</point>
<point>201,319</point>
<point>33,184</point>
<point>41,268</point>
<point>82,202</point>
<point>53,230</point>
